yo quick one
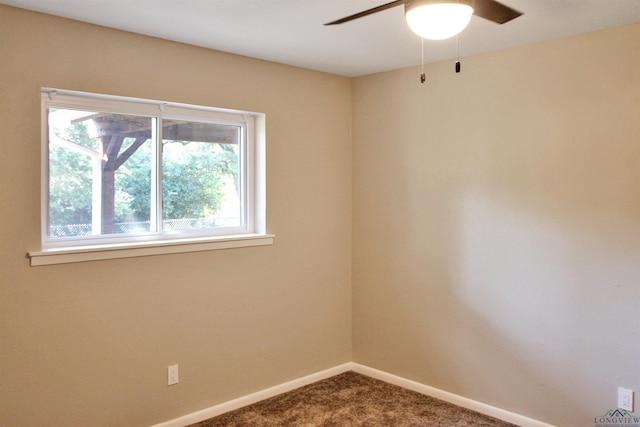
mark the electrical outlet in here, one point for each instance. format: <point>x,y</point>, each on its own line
<point>172,375</point>
<point>625,399</point>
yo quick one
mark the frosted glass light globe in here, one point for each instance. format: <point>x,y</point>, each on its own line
<point>438,21</point>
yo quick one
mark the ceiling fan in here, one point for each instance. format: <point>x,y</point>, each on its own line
<point>441,19</point>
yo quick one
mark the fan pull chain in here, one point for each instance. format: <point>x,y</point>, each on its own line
<point>423,76</point>
<point>458,54</point>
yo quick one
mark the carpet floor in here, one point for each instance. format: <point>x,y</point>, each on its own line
<point>351,399</point>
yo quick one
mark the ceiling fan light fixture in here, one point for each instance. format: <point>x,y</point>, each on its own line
<point>438,20</point>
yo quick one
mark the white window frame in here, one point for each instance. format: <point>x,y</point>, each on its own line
<point>253,233</point>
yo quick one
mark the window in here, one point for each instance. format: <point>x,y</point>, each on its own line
<point>126,176</point>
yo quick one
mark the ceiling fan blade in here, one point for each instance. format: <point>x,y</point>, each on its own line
<point>494,11</point>
<point>367,12</point>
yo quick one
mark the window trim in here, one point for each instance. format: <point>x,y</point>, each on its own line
<point>59,251</point>
<point>157,247</point>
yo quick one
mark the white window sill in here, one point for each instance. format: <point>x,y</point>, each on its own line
<point>128,250</point>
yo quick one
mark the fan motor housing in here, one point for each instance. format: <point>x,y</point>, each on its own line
<point>410,4</point>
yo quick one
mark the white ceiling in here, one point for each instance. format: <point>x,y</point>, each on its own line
<point>292,31</point>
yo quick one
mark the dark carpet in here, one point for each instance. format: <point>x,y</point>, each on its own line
<point>351,399</point>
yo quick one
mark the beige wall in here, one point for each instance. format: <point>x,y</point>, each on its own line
<point>496,223</point>
<point>89,343</point>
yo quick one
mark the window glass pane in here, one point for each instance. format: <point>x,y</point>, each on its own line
<point>201,175</point>
<point>70,189</point>
<point>99,173</point>
<point>133,188</point>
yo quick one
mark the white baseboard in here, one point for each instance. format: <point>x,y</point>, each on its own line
<point>455,399</point>
<point>464,402</point>
<point>252,398</point>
